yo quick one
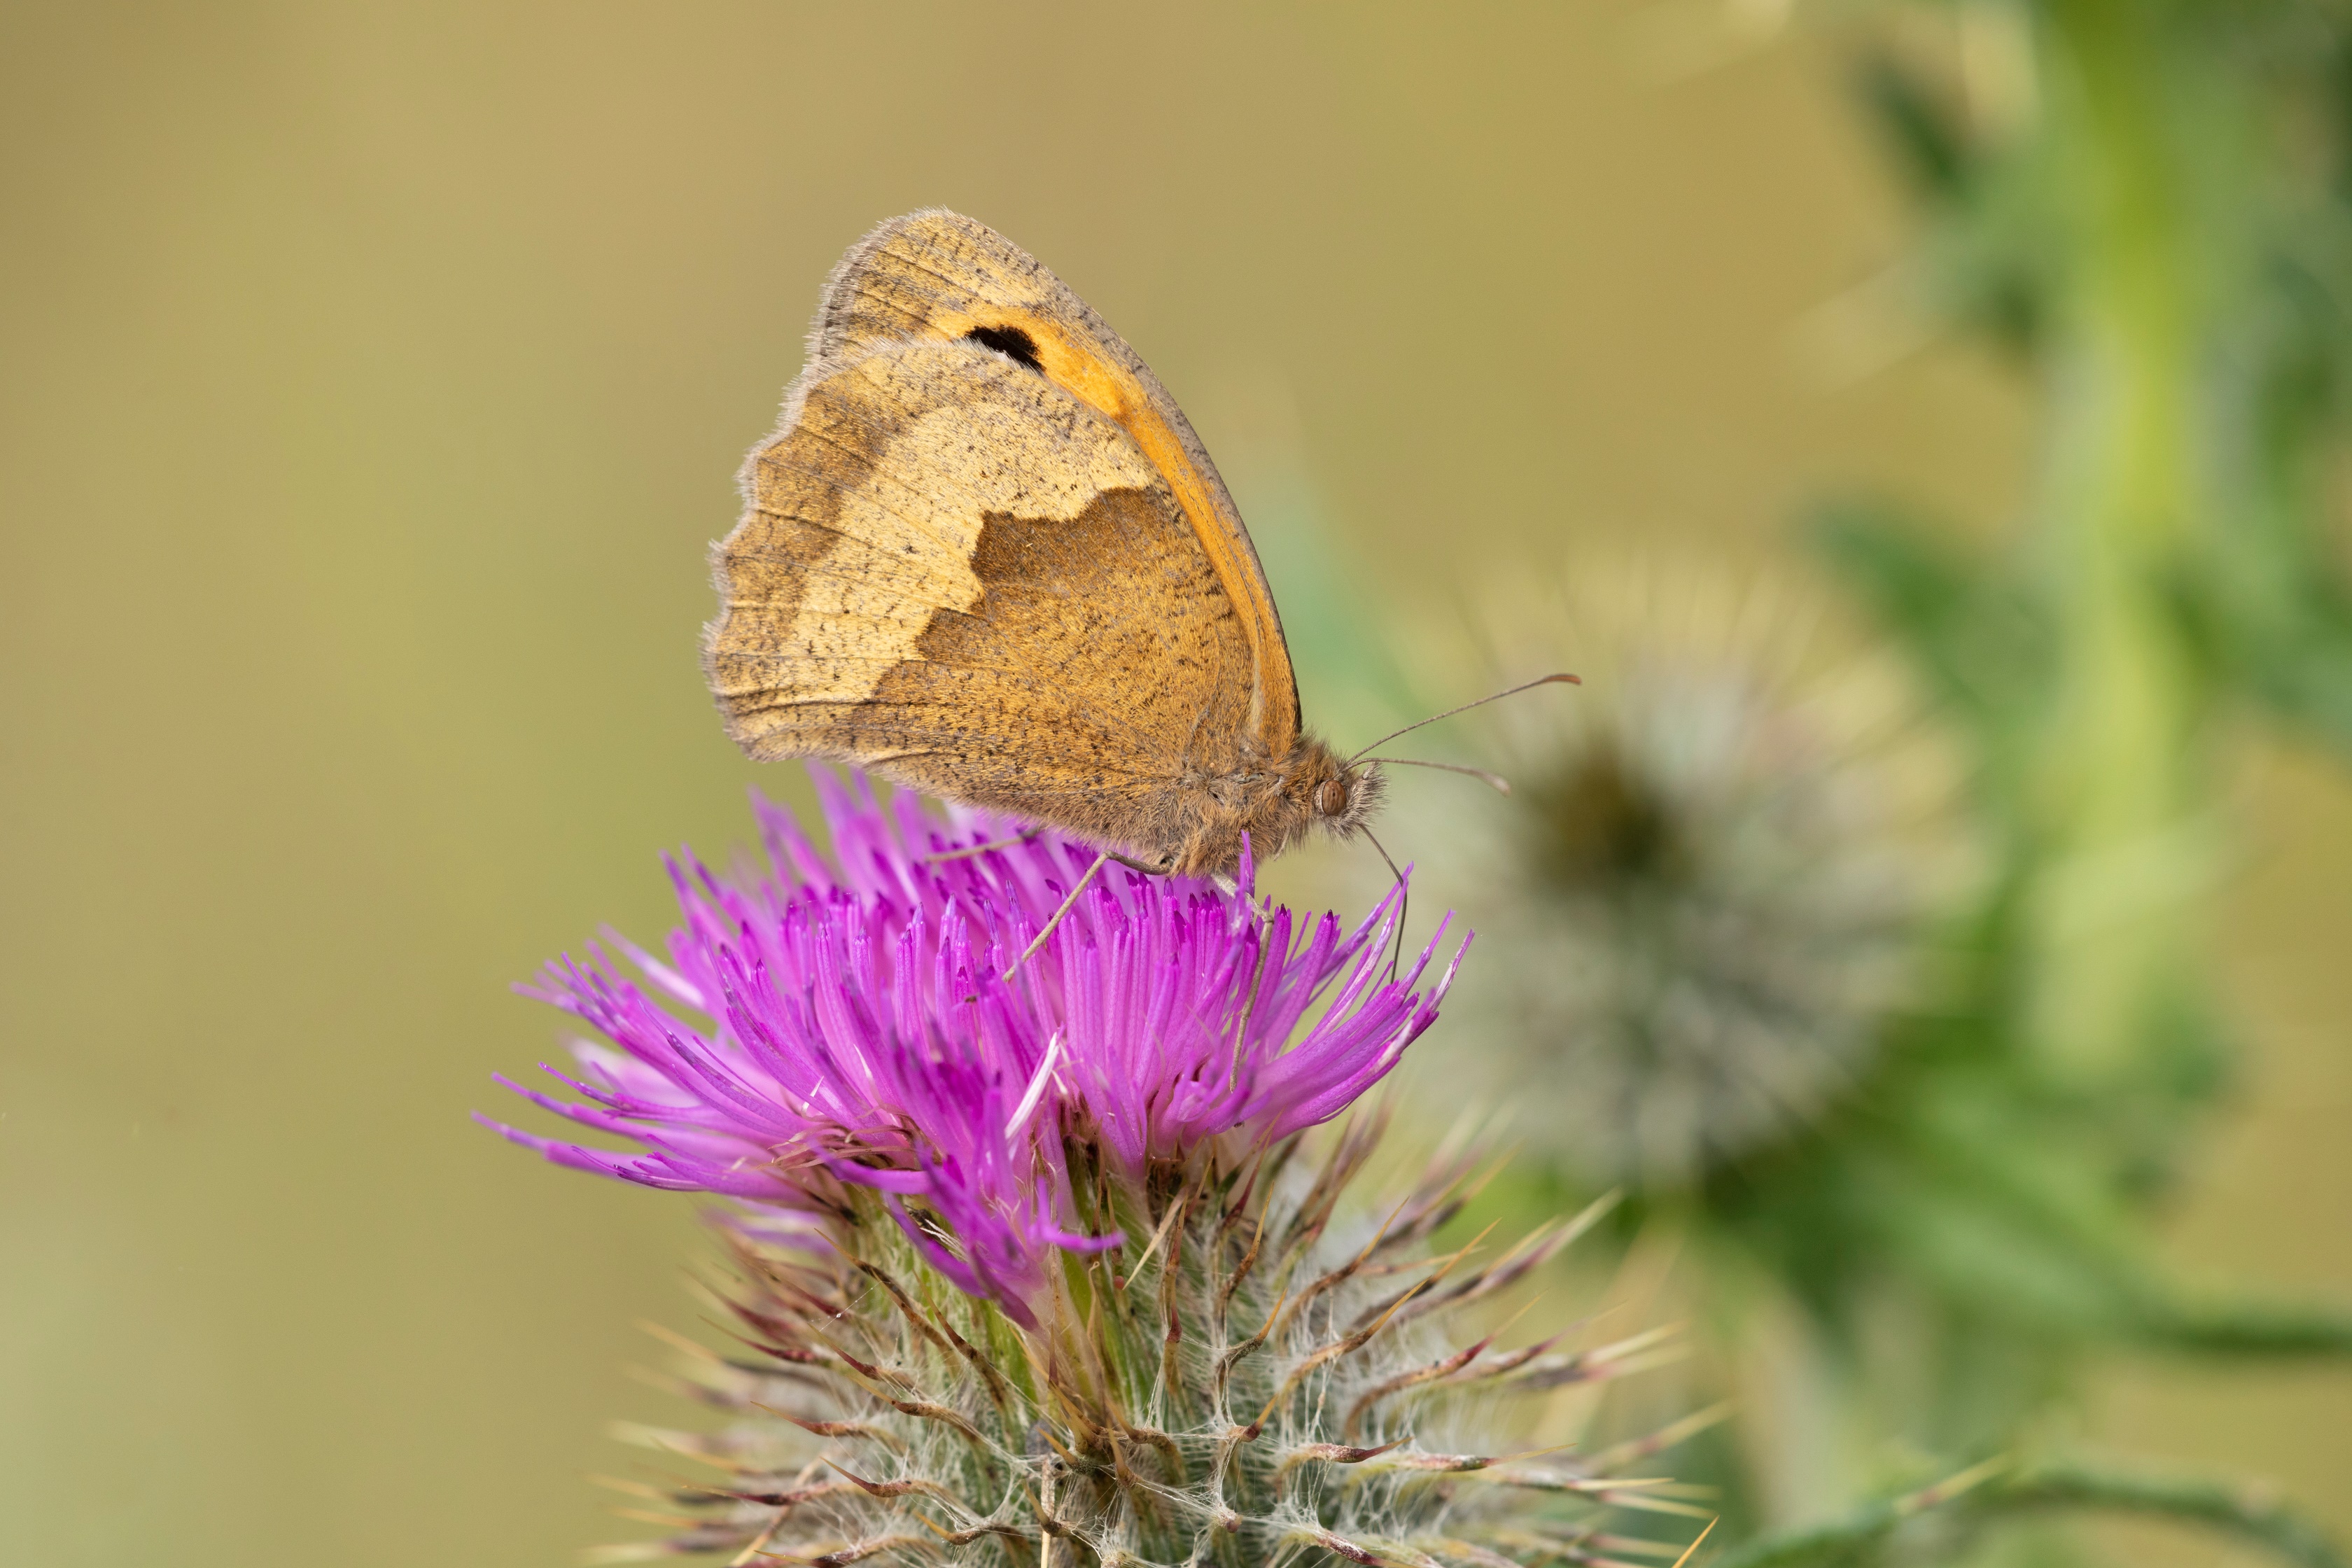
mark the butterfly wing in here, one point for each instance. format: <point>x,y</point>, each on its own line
<point>954,573</point>
<point>941,276</point>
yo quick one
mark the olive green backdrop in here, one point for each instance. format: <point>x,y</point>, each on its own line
<point>374,377</point>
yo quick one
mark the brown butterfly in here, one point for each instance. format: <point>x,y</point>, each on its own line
<point>985,555</point>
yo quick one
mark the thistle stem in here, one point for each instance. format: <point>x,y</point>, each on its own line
<point>2117,796</point>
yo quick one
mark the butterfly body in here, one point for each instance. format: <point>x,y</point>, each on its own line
<point>985,555</point>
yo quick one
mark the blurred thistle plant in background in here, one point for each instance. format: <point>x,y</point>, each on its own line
<point>2146,207</point>
<point>1716,874</point>
<point>1039,1266</point>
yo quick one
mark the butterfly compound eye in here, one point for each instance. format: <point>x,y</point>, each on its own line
<point>1331,798</point>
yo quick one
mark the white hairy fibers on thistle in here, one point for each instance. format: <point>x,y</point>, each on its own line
<point>1250,1376</point>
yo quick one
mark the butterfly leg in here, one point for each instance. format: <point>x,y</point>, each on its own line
<point>1067,905</point>
<point>1404,903</point>
<point>1024,836</point>
<point>1162,869</point>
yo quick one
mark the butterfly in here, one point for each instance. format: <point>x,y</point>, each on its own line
<point>986,556</point>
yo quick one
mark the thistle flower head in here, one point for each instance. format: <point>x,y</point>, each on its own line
<point>1712,879</point>
<point>1041,1269</point>
<point>863,1030</point>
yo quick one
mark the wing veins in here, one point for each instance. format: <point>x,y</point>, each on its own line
<point>1020,671</point>
<point>873,469</point>
<point>916,265</point>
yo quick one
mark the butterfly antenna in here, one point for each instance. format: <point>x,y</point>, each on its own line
<point>1511,691</point>
<point>1404,903</point>
<point>1501,785</point>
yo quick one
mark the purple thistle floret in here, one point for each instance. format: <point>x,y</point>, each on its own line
<point>861,1031</point>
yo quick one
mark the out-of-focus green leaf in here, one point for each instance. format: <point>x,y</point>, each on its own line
<point>1921,126</point>
<point>1976,641</point>
<point>2282,636</point>
<point>1996,1492</point>
<point>1348,675</point>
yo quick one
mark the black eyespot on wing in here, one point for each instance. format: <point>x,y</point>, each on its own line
<point>1009,341</point>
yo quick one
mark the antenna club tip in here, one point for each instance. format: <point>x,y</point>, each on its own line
<point>1562,677</point>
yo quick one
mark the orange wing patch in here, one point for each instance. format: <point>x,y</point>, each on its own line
<point>1092,378</point>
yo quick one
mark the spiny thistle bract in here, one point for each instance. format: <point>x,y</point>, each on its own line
<point>1040,1269</point>
<point>1712,880</point>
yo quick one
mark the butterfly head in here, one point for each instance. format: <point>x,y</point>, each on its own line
<point>1313,790</point>
<point>1340,795</point>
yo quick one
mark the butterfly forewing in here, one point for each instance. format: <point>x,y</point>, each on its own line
<point>984,554</point>
<point>940,275</point>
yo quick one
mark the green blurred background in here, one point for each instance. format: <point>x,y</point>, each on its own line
<point>375,377</point>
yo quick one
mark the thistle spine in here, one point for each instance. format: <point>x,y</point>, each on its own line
<point>1236,1383</point>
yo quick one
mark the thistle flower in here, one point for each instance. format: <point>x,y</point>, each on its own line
<point>1037,1260</point>
<point>1714,872</point>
